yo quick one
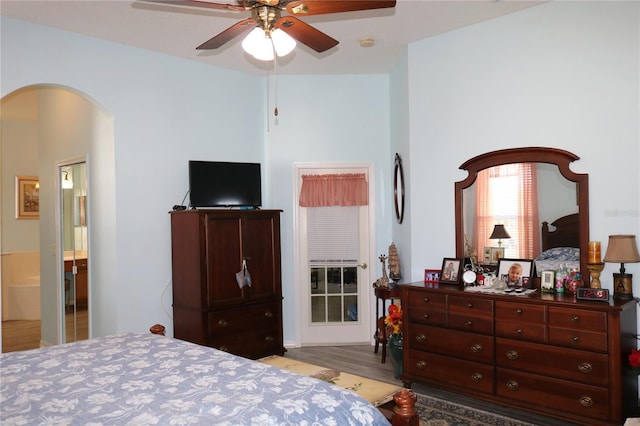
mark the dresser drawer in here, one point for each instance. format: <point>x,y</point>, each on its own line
<point>423,300</point>
<point>578,339</point>
<point>553,394</point>
<point>514,311</point>
<point>249,344</point>
<point>531,332</point>
<point>426,315</point>
<point>469,346</point>
<point>576,318</point>
<point>470,323</point>
<point>470,306</point>
<point>574,365</point>
<point>264,315</point>
<point>450,371</point>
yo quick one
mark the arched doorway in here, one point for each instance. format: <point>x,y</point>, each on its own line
<point>44,127</point>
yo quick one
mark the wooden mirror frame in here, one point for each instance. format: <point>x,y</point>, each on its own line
<point>398,188</point>
<point>559,157</point>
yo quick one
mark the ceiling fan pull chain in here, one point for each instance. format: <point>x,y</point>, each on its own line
<point>275,76</point>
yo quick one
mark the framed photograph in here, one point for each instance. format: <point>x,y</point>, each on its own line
<point>451,270</point>
<point>497,253</point>
<point>27,197</point>
<point>547,281</point>
<point>516,272</point>
<point>432,275</point>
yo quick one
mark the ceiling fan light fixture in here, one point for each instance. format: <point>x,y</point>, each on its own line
<point>258,45</point>
<point>282,42</point>
<point>261,46</point>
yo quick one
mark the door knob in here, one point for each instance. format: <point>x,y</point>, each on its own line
<point>363,265</point>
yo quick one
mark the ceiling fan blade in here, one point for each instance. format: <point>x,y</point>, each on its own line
<point>197,3</point>
<point>228,34</point>
<point>306,34</point>
<point>319,7</point>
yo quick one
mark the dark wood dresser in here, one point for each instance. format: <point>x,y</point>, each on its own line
<point>209,307</point>
<point>549,354</point>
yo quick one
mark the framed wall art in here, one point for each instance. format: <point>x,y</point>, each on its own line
<point>27,197</point>
<point>451,270</point>
<point>516,273</point>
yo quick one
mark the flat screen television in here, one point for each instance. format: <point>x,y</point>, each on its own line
<point>223,184</point>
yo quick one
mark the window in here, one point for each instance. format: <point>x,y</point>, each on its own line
<point>508,195</point>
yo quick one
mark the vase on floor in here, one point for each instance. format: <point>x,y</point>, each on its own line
<point>395,354</point>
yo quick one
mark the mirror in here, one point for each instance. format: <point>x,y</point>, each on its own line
<point>398,188</point>
<point>553,166</point>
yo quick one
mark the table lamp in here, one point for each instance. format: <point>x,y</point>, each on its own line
<point>622,249</point>
<point>499,233</point>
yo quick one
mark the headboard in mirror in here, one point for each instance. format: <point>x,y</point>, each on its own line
<point>553,173</point>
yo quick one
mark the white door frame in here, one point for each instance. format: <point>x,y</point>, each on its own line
<point>300,271</point>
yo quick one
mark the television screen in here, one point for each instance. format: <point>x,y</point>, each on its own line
<point>222,184</point>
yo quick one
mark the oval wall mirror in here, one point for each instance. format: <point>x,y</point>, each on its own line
<point>564,197</point>
<point>398,189</point>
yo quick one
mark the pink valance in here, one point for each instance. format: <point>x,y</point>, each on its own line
<point>350,189</point>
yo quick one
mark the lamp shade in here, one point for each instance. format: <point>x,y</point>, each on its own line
<point>261,44</point>
<point>499,232</point>
<point>622,249</point>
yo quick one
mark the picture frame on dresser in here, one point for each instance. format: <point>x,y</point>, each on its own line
<point>432,275</point>
<point>451,270</point>
<point>508,272</point>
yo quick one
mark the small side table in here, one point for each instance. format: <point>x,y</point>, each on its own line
<point>380,334</point>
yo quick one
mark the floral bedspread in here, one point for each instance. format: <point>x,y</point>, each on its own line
<point>146,379</point>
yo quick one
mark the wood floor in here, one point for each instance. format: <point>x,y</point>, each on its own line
<point>21,335</point>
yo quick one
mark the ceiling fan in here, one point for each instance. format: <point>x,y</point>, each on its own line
<point>274,31</point>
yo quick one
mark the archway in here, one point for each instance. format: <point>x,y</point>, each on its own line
<point>44,126</point>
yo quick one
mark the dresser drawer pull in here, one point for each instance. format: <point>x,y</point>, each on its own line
<point>469,305</point>
<point>519,331</point>
<point>513,385</point>
<point>469,323</point>
<point>518,311</point>
<point>586,401</point>
<point>426,300</point>
<point>575,318</point>
<point>268,339</point>
<point>268,314</point>
<point>222,323</point>
<point>512,355</point>
<point>426,316</point>
<point>421,365</point>
<point>585,367</point>
<point>575,338</point>
<point>476,377</point>
<point>477,347</point>
<point>420,338</point>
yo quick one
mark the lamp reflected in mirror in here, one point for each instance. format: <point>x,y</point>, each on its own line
<point>499,233</point>
<point>622,249</point>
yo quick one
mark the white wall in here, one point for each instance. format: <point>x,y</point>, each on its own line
<point>563,75</point>
<point>328,119</point>
<point>165,112</point>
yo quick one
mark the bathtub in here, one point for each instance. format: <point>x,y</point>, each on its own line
<point>23,300</point>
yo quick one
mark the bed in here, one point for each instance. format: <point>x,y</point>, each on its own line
<point>141,379</point>
<point>560,245</point>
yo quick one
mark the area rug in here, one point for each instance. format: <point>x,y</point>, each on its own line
<point>438,412</point>
<point>377,393</point>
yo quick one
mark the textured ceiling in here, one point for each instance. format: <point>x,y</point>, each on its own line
<point>177,31</point>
